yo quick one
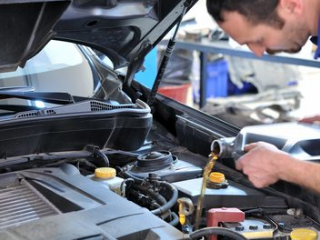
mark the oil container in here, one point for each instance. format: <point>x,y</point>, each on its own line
<point>298,139</point>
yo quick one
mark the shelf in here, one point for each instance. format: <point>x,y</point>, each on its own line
<point>222,47</point>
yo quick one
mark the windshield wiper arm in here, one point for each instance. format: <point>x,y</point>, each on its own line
<point>49,97</point>
<point>17,108</point>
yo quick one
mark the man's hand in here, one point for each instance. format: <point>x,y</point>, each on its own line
<point>262,163</point>
<point>314,120</point>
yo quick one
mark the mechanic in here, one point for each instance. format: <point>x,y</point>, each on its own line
<point>272,26</point>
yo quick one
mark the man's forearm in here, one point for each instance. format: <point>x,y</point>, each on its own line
<point>304,173</point>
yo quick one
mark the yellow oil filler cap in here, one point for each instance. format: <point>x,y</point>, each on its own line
<point>217,177</point>
<point>217,180</point>
<point>303,234</point>
<point>105,173</point>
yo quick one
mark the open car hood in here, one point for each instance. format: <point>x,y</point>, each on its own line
<point>49,154</point>
<point>123,30</point>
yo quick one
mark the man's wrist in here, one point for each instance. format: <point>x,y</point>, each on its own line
<point>286,167</point>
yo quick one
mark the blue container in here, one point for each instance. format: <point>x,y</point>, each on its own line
<point>217,79</point>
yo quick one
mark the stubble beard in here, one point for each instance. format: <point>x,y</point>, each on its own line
<point>296,37</point>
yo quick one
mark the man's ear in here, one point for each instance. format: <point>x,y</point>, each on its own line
<point>291,6</point>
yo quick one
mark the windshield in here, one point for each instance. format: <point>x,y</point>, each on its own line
<point>59,67</point>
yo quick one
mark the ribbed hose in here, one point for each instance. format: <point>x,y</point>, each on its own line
<point>216,231</point>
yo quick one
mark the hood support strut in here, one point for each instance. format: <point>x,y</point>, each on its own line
<point>166,58</point>
<point>133,67</point>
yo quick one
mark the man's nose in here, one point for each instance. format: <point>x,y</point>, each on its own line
<point>258,50</point>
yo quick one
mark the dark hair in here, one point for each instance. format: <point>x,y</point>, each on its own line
<point>256,11</point>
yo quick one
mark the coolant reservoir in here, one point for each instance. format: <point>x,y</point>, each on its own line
<point>107,176</point>
<point>298,139</point>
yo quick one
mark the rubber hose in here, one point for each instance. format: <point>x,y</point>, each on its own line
<point>127,183</point>
<point>216,231</point>
<point>175,219</point>
<point>104,157</point>
<point>165,206</point>
<point>128,175</point>
<point>170,203</point>
<point>165,215</point>
<point>156,196</point>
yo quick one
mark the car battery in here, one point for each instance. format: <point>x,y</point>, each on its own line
<point>252,228</point>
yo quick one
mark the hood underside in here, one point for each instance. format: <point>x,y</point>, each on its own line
<point>123,30</point>
<point>26,27</point>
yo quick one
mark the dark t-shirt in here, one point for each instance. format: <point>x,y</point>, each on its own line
<point>316,41</point>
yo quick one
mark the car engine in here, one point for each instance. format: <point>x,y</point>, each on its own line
<point>153,194</point>
<point>122,161</point>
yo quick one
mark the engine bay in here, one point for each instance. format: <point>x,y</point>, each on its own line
<point>155,194</point>
<point>116,160</point>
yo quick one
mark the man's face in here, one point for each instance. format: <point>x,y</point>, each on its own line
<point>262,38</point>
